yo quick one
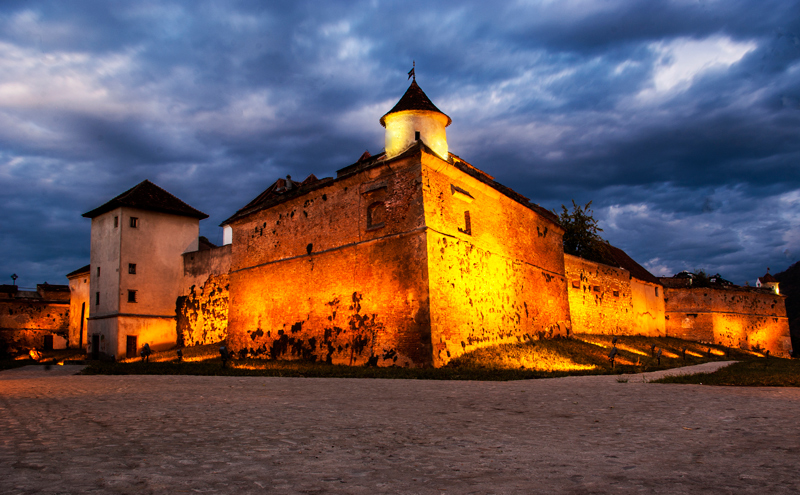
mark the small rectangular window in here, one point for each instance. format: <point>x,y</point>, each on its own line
<point>416,135</point>
<point>98,271</point>
<point>96,298</point>
<point>596,288</point>
<point>131,296</point>
<point>467,225</point>
<point>656,291</point>
<point>616,293</point>
<point>132,268</point>
<point>116,222</point>
<point>134,222</point>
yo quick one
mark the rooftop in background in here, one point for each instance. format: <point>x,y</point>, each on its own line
<point>637,271</point>
<point>148,196</point>
<point>79,271</point>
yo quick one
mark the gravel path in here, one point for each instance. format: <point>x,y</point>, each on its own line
<point>61,433</point>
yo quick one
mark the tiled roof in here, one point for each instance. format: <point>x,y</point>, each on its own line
<point>83,269</point>
<point>148,196</point>
<point>280,190</point>
<point>414,99</point>
<point>628,263</point>
<point>767,279</point>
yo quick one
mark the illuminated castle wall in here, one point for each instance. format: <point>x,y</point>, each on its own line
<point>747,318</point>
<point>411,257</point>
<point>404,258</point>
<point>609,300</point>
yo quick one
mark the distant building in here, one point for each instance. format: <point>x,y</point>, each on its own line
<point>137,270</point>
<point>768,282</point>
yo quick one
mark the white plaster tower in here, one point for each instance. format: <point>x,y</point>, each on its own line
<point>415,118</point>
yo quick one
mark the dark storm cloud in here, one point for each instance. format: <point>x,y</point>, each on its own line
<point>679,119</point>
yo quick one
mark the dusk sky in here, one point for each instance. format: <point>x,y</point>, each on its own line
<point>680,120</point>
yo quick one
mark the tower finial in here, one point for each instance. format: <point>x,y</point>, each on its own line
<point>412,72</point>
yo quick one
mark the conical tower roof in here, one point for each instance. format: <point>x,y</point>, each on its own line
<point>414,99</point>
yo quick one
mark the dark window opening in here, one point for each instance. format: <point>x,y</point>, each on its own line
<point>95,346</point>
<point>96,298</point>
<point>376,215</point>
<point>597,288</point>
<point>131,296</point>
<point>116,222</point>
<point>656,291</point>
<point>416,135</point>
<point>131,346</point>
<point>616,293</point>
<point>134,222</point>
<point>309,248</point>
<point>132,268</point>
<point>98,271</point>
<point>467,225</point>
<point>48,342</point>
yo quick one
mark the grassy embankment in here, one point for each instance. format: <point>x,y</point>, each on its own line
<point>580,355</point>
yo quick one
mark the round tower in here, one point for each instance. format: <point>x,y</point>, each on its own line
<point>415,118</point>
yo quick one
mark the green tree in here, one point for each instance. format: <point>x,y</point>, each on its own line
<point>581,234</point>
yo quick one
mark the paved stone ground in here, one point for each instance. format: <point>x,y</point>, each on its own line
<point>61,433</point>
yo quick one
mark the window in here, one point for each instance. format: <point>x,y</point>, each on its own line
<point>375,215</point>
<point>467,225</point>
<point>98,271</point>
<point>96,298</point>
<point>616,293</point>
<point>134,222</point>
<point>656,291</point>
<point>131,296</point>
<point>416,135</point>
<point>116,222</point>
<point>132,268</point>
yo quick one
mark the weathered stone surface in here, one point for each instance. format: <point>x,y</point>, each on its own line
<point>608,300</point>
<point>24,323</point>
<point>744,318</point>
<point>187,434</point>
<point>409,261</point>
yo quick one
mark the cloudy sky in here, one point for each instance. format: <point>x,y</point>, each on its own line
<point>680,120</point>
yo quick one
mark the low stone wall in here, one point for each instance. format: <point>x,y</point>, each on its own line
<point>736,317</point>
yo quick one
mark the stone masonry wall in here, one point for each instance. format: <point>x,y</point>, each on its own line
<point>312,279</point>
<point>25,323</point>
<point>202,309</point>
<point>600,299</point>
<point>735,317</point>
<point>496,266</point>
<point>607,300</point>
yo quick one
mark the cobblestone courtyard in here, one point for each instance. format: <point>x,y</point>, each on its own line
<point>62,433</point>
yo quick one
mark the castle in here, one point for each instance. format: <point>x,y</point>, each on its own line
<point>410,257</point>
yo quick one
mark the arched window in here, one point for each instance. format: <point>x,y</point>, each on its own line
<point>375,215</point>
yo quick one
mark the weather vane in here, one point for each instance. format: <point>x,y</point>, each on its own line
<point>412,72</point>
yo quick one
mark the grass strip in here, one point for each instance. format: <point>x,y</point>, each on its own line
<point>767,372</point>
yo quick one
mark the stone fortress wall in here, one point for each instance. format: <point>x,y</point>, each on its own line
<point>336,272</point>
<point>746,318</point>
<point>34,319</point>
